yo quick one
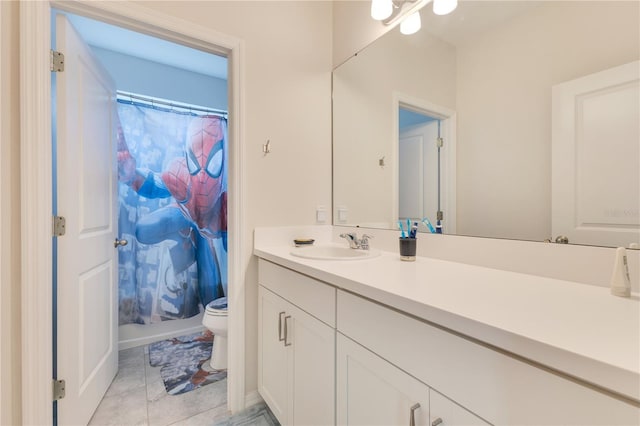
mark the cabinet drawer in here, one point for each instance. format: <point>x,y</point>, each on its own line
<point>310,295</point>
<point>499,388</point>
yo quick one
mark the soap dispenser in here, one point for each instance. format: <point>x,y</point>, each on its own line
<point>620,280</point>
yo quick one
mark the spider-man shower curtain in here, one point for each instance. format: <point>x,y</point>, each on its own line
<point>172,210</point>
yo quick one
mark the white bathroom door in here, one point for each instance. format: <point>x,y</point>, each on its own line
<point>596,158</point>
<point>87,351</point>
<point>418,176</point>
<point>411,177</point>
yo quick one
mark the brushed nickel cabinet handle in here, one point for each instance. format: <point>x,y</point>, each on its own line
<point>280,337</point>
<point>286,331</point>
<point>412,417</point>
<point>436,422</point>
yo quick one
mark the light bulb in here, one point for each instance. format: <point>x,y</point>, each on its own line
<point>443,7</point>
<point>381,9</point>
<point>411,24</point>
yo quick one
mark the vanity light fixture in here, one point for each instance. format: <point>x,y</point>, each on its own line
<point>404,8</point>
<point>444,7</point>
<point>411,24</point>
<point>392,11</point>
<point>381,9</point>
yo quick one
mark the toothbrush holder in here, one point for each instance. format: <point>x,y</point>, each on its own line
<point>408,249</point>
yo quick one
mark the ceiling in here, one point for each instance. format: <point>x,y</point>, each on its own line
<point>117,39</point>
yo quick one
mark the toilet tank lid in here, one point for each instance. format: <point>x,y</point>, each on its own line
<point>218,304</point>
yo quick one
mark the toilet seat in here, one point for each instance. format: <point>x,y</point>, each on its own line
<point>217,307</point>
<point>215,319</point>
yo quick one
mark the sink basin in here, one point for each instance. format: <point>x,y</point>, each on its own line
<point>333,252</point>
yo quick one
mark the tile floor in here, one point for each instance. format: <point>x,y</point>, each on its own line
<point>137,397</point>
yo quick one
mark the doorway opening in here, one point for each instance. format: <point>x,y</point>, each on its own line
<point>35,137</point>
<point>419,171</point>
<point>424,176</point>
<point>153,79</point>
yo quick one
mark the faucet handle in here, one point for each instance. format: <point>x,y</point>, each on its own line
<point>364,241</point>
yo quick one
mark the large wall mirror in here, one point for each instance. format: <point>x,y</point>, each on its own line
<point>504,119</point>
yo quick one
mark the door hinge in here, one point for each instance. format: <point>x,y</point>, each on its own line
<point>439,142</point>
<point>58,389</point>
<point>57,61</point>
<point>59,226</point>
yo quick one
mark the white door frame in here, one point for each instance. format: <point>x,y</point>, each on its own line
<point>2,153</point>
<point>35,185</point>
<point>447,159</point>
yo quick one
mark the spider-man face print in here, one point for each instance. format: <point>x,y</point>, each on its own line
<point>205,147</point>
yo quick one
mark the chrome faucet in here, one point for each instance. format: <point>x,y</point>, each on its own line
<point>354,242</point>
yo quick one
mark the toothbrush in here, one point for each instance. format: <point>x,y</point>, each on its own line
<point>414,230</point>
<point>403,235</point>
<point>428,225</point>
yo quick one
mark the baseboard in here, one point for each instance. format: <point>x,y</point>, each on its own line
<point>132,335</point>
<point>252,398</point>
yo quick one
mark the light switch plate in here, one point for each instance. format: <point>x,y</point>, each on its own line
<point>343,214</point>
<point>321,214</point>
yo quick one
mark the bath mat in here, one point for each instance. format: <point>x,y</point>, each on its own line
<point>184,362</point>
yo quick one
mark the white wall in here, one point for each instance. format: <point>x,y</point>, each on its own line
<point>141,76</point>
<point>10,357</point>
<point>353,29</point>
<point>504,108</point>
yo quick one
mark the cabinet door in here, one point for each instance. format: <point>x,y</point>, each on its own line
<point>312,369</point>
<point>371,391</point>
<point>445,412</point>
<point>272,354</point>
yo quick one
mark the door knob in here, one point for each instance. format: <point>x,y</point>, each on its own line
<point>118,242</point>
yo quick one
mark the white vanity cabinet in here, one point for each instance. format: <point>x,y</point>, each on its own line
<point>349,353</point>
<point>296,346</point>
<point>370,391</point>
<point>488,386</point>
<point>444,412</point>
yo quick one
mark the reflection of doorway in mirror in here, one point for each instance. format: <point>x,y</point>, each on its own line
<point>419,156</point>
<point>425,169</point>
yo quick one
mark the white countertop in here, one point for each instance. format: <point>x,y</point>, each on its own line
<point>580,330</point>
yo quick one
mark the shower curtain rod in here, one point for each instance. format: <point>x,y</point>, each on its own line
<point>135,98</point>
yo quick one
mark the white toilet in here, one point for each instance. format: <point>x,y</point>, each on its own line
<point>215,319</point>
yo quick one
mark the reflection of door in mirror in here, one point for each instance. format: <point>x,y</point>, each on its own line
<point>596,146</point>
<point>418,173</point>
<point>425,170</point>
